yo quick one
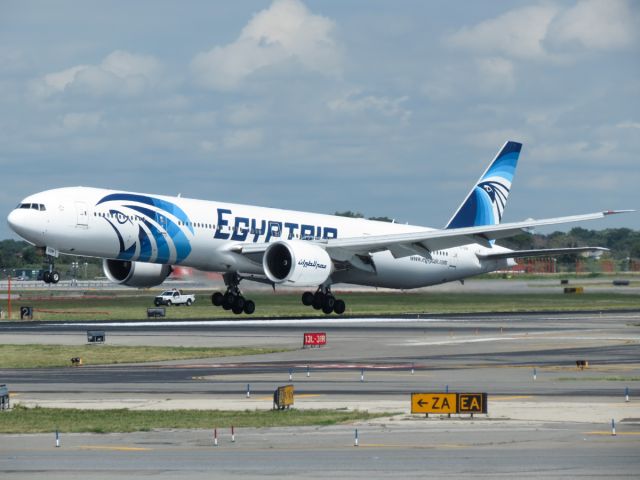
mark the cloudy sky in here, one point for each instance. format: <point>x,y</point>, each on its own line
<point>388,108</point>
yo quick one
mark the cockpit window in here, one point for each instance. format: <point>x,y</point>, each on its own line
<point>33,206</point>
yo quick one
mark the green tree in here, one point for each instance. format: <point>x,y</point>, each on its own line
<point>349,213</point>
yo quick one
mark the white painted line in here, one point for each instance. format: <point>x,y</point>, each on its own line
<point>261,323</point>
<point>457,341</point>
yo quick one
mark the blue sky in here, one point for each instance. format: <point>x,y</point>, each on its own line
<point>388,108</point>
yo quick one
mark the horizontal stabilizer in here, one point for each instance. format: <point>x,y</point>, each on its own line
<point>545,252</point>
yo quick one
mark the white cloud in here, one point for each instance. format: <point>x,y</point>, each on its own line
<point>496,74</point>
<point>244,114</point>
<point>120,73</point>
<point>547,31</point>
<point>518,33</point>
<point>208,146</point>
<point>629,125</point>
<point>285,31</point>
<point>596,24</point>
<point>493,139</point>
<point>484,76</point>
<point>581,152</point>
<point>243,139</point>
<point>78,121</point>
<point>356,103</point>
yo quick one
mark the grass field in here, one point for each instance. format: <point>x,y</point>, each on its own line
<point>132,306</point>
<point>43,356</point>
<point>42,420</point>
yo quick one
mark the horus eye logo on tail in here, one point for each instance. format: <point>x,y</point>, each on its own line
<point>497,193</point>
<point>148,229</point>
<point>485,203</point>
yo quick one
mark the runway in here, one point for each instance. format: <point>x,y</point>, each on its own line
<point>546,417</point>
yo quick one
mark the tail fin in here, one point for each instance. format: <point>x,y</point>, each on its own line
<point>485,202</point>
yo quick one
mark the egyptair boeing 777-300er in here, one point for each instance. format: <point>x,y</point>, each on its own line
<point>141,236</point>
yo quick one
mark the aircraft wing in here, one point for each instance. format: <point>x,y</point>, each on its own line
<point>426,241</point>
<point>544,252</point>
<point>421,242</point>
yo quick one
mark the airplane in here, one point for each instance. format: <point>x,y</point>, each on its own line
<point>140,237</point>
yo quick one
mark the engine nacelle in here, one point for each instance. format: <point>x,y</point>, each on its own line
<point>135,274</point>
<point>296,262</point>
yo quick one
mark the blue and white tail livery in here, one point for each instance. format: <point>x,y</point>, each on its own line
<point>141,236</point>
<point>485,202</point>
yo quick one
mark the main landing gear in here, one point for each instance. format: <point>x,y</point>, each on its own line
<point>232,299</point>
<point>324,300</point>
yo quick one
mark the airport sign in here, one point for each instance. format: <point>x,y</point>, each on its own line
<point>433,403</point>
<point>448,403</point>
<point>283,397</point>
<point>314,339</point>
<point>472,403</point>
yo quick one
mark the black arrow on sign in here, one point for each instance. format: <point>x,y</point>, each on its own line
<point>422,403</point>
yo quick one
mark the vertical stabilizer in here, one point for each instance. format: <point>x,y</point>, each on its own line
<point>485,202</point>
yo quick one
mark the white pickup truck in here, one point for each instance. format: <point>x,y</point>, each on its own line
<point>174,297</point>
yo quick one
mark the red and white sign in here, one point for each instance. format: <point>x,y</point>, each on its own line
<point>314,339</point>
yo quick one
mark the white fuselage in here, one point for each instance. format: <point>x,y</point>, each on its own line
<point>201,234</point>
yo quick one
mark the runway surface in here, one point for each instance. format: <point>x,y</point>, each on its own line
<point>553,424</point>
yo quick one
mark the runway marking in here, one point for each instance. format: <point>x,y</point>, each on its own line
<point>115,448</point>
<point>300,367</point>
<point>412,447</point>
<point>254,323</point>
<point>515,397</point>
<point>412,343</point>
<point>609,433</point>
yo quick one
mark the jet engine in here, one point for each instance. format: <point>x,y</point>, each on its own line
<point>135,274</point>
<point>296,263</point>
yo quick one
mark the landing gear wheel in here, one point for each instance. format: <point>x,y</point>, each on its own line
<point>328,302</point>
<point>238,303</point>
<point>227,302</point>
<point>339,307</point>
<point>249,307</point>
<point>236,310</point>
<point>232,299</point>
<point>217,298</point>
<point>55,277</point>
<point>318,300</point>
<point>327,309</point>
<point>307,299</point>
<point>46,277</point>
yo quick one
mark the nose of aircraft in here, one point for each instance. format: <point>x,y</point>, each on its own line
<point>22,222</point>
<point>14,220</point>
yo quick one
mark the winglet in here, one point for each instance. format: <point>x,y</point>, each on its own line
<point>615,212</point>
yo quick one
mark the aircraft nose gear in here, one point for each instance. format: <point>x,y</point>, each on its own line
<point>324,300</point>
<point>232,299</point>
<point>50,275</point>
